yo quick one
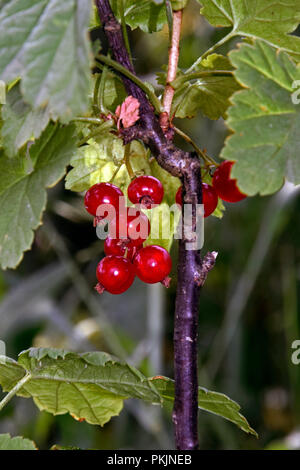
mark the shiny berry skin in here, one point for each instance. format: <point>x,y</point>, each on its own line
<point>135,228</point>
<point>153,264</point>
<point>115,274</point>
<point>225,186</point>
<point>209,198</point>
<point>116,247</point>
<point>145,190</point>
<point>178,197</point>
<point>102,193</point>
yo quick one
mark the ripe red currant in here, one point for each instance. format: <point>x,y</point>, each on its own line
<point>102,193</point>
<point>116,247</point>
<point>135,228</point>
<point>225,186</point>
<point>178,197</point>
<point>115,274</point>
<point>209,198</point>
<point>145,190</point>
<point>153,264</point>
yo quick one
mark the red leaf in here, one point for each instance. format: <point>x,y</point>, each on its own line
<point>128,112</point>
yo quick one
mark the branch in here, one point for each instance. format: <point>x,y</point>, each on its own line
<point>172,69</point>
<point>187,167</point>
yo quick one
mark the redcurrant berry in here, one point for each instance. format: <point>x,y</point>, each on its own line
<point>153,264</point>
<point>145,190</point>
<point>209,198</point>
<point>115,274</point>
<point>225,186</point>
<point>134,228</point>
<point>102,193</point>
<point>116,247</point>
<point>178,197</point>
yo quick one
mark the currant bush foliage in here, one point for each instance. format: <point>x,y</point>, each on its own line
<point>22,189</point>
<point>266,111</point>
<point>251,88</point>
<point>45,84</point>
<point>15,443</point>
<point>93,386</point>
<point>21,122</point>
<point>262,19</point>
<point>145,14</point>
<point>34,38</point>
<point>208,93</point>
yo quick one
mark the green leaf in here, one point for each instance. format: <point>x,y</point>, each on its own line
<point>99,160</point>
<point>22,189</point>
<point>90,386</point>
<point>114,92</point>
<point>209,93</point>
<point>260,19</point>
<point>264,120</point>
<point>95,20</point>
<point>49,49</point>
<point>21,122</point>
<point>164,222</point>
<point>95,162</point>
<point>143,14</point>
<point>15,443</point>
<point>213,402</point>
<point>170,183</point>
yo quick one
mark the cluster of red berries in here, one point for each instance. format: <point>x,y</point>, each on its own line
<point>125,255</point>
<point>223,187</point>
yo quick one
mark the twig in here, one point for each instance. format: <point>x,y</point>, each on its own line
<point>210,51</point>
<point>187,167</point>
<point>172,69</point>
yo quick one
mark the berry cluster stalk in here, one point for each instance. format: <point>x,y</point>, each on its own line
<point>192,270</point>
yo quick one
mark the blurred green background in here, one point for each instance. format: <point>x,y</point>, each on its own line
<point>248,313</point>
